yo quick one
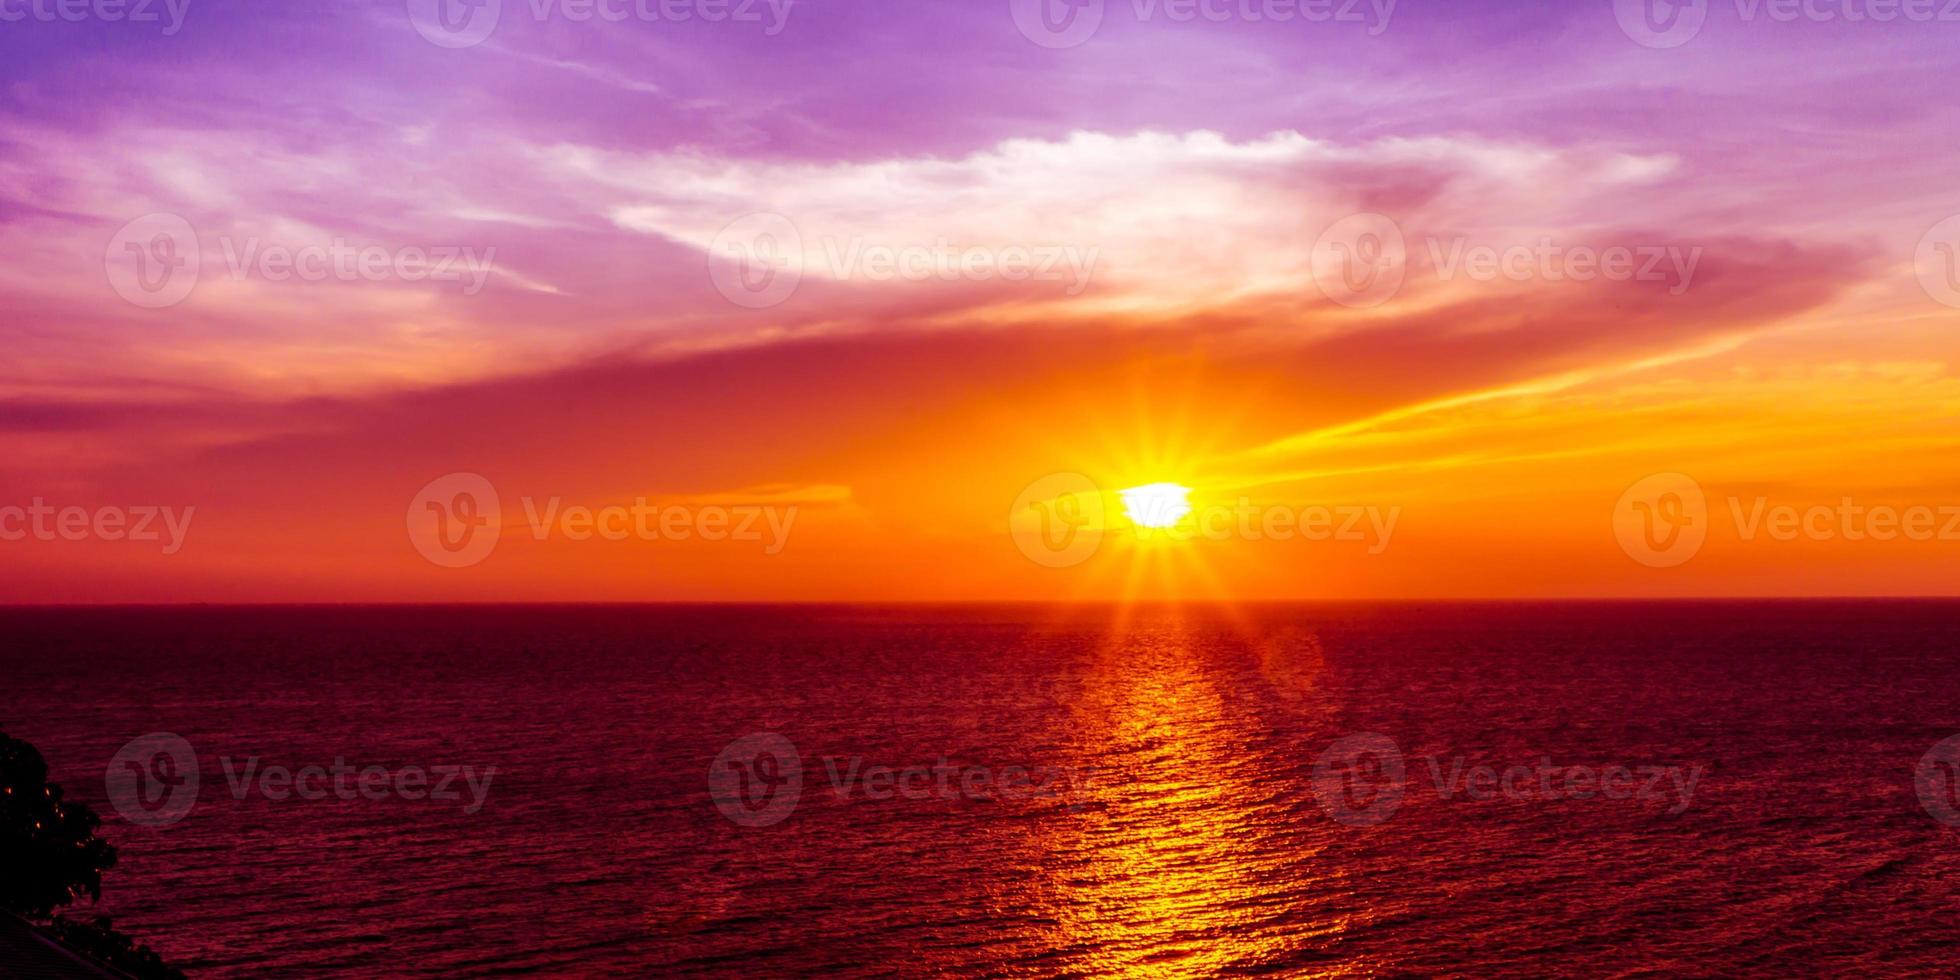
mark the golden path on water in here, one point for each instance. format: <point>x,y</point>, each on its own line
<point>1182,864</point>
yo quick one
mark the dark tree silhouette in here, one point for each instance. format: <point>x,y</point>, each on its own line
<point>49,854</point>
<point>97,938</point>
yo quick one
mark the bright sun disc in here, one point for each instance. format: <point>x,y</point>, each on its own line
<point>1156,504</point>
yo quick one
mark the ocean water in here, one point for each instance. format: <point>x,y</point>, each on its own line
<point>1624,789</point>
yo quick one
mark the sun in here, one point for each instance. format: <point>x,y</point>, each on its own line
<point>1156,504</point>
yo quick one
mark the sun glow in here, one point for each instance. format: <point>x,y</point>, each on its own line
<point>1156,504</point>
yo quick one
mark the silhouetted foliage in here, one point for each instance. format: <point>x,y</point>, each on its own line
<point>98,939</point>
<point>49,854</point>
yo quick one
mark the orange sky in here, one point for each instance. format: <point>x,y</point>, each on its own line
<point>903,475</point>
<point>1315,272</point>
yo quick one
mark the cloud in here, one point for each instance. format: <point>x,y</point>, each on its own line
<point>1176,221</point>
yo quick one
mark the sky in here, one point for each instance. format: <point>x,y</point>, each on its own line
<point>631,300</point>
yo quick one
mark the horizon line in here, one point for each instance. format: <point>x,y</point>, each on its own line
<point>820,603</point>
